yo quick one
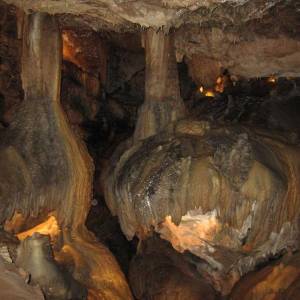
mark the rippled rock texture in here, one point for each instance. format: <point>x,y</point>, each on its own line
<point>45,168</point>
<point>278,281</point>
<point>229,195</point>
<point>248,37</point>
<point>126,14</point>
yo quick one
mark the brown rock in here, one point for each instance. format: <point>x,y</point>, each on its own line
<point>13,285</point>
<point>278,281</point>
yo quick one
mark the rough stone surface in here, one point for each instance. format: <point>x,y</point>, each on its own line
<point>158,272</point>
<point>36,257</point>
<point>240,35</point>
<point>10,81</point>
<point>13,284</point>
<point>168,13</point>
<point>278,281</point>
<point>246,53</point>
<point>246,214</point>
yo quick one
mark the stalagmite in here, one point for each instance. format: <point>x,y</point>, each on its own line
<point>46,170</point>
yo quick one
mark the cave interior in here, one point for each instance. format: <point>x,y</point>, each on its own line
<point>149,150</point>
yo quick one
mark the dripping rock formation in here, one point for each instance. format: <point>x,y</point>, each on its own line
<point>229,195</point>
<point>107,99</point>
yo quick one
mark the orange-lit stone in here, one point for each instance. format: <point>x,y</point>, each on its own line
<point>49,227</point>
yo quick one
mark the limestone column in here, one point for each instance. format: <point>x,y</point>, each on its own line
<point>163,103</point>
<point>47,169</point>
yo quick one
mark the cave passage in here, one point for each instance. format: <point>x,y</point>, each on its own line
<point>149,150</point>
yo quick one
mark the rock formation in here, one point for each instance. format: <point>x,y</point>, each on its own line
<point>208,200</point>
<point>239,35</point>
<point>13,284</point>
<point>227,194</point>
<point>46,169</point>
<point>35,256</point>
<point>279,280</point>
<point>163,103</point>
<point>160,273</point>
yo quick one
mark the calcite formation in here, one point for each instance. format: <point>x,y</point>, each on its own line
<point>35,256</point>
<point>239,35</point>
<point>13,284</point>
<point>229,195</point>
<point>163,103</point>
<point>247,53</point>
<point>159,272</point>
<point>125,14</point>
<point>45,168</point>
<point>279,280</point>
<point>225,196</point>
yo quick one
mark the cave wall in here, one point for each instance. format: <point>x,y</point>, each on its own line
<point>11,93</point>
<point>250,38</point>
<point>246,54</point>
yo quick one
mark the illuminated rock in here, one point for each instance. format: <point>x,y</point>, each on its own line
<point>46,169</point>
<point>278,281</point>
<point>227,194</point>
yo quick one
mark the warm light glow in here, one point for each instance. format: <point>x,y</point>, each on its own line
<point>15,223</point>
<point>70,49</point>
<point>219,80</point>
<point>67,47</point>
<point>209,93</point>
<point>194,230</point>
<point>272,79</point>
<point>49,227</point>
<point>219,87</point>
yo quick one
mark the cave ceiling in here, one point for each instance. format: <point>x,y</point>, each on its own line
<point>250,38</point>
<point>129,15</point>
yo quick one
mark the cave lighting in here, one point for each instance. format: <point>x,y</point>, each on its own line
<point>194,230</point>
<point>70,48</point>
<point>209,93</point>
<point>49,227</point>
<point>67,46</point>
<point>219,87</point>
<point>272,79</point>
